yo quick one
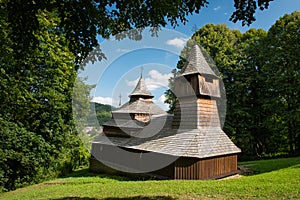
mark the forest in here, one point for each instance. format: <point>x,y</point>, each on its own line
<point>44,43</point>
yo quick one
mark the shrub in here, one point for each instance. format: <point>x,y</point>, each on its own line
<point>23,156</point>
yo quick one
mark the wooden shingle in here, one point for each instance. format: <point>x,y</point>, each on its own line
<point>197,63</point>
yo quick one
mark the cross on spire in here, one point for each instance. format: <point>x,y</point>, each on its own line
<point>120,100</point>
<point>142,69</point>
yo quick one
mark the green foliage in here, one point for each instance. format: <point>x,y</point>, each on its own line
<point>169,94</point>
<point>283,70</point>
<point>100,112</point>
<point>36,95</point>
<point>23,156</point>
<point>273,179</point>
<point>245,10</point>
<point>81,103</point>
<point>82,21</point>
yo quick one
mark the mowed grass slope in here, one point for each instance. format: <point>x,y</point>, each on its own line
<point>272,179</point>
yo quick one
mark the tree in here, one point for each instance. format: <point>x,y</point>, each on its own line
<point>23,156</point>
<point>82,21</point>
<point>283,69</point>
<point>36,96</point>
<point>171,98</point>
<point>250,87</point>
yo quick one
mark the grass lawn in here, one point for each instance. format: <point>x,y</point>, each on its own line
<point>272,179</point>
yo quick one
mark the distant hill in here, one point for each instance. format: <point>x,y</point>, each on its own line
<point>103,112</point>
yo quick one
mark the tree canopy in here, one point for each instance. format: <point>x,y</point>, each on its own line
<point>36,96</point>
<point>81,21</point>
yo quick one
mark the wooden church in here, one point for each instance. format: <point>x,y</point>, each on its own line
<point>142,138</point>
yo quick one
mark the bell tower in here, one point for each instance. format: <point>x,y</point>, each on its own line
<point>197,88</point>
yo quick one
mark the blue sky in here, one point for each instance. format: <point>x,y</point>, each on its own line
<point>158,56</point>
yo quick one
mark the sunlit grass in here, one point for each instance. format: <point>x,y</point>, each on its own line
<point>272,179</point>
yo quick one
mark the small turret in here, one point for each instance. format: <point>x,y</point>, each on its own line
<point>140,91</point>
<point>132,116</point>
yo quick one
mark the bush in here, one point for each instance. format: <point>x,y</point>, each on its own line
<point>23,156</point>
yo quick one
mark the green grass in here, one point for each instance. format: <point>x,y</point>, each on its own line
<point>272,179</point>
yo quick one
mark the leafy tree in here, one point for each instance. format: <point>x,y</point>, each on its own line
<point>81,103</point>
<point>82,21</point>
<point>283,69</point>
<point>36,95</point>
<point>23,156</point>
<point>250,93</point>
<point>99,112</point>
<point>169,93</point>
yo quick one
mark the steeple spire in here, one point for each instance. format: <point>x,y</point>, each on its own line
<point>197,63</point>
<point>120,100</point>
<point>142,69</point>
<point>141,89</point>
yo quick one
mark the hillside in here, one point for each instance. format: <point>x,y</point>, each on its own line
<point>269,179</point>
<point>103,112</point>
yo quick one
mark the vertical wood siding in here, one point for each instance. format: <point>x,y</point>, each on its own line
<point>192,168</point>
<point>208,115</point>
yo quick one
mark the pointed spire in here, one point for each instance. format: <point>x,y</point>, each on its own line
<point>141,89</point>
<point>142,69</point>
<point>196,63</point>
<point>120,100</point>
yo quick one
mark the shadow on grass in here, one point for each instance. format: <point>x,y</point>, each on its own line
<point>264,166</point>
<point>120,198</point>
<point>119,177</point>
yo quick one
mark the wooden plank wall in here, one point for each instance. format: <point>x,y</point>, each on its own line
<point>192,168</point>
<point>208,113</point>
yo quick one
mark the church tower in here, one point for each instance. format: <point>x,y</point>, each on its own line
<point>134,115</point>
<point>138,97</point>
<point>197,88</point>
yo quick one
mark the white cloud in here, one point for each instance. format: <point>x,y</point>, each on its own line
<point>103,100</point>
<point>157,80</point>
<point>154,81</point>
<point>217,8</point>
<point>177,42</point>
<point>161,99</point>
<point>119,50</point>
<point>161,102</point>
<point>132,83</point>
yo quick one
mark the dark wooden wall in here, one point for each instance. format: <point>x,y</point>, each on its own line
<point>211,168</point>
<point>182,168</point>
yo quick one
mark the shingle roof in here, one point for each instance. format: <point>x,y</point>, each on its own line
<point>197,63</point>
<point>198,143</point>
<point>156,124</point>
<point>141,89</point>
<point>124,123</point>
<point>140,106</point>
